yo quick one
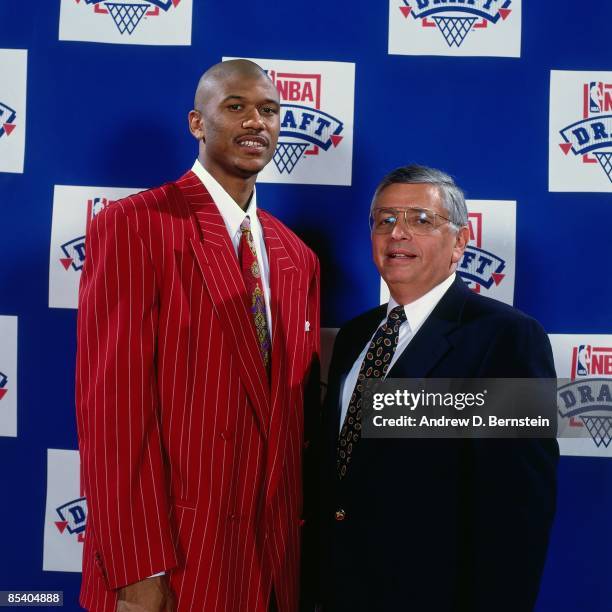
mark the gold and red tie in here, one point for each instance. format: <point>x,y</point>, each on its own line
<point>252,280</point>
<point>374,365</point>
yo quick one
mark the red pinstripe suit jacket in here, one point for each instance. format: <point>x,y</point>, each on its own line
<point>191,462</point>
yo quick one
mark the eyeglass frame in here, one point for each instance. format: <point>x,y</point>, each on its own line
<point>405,210</point>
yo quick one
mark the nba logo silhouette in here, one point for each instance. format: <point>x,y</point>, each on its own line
<point>588,360</point>
<point>583,358</point>
<point>595,97</point>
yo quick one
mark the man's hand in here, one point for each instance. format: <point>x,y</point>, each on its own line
<point>150,595</point>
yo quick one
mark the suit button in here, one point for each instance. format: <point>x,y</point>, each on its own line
<point>340,514</point>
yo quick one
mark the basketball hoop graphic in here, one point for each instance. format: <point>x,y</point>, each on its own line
<point>600,428</point>
<point>455,22</point>
<point>590,400</point>
<point>605,161</point>
<point>128,15</point>
<point>454,29</point>
<point>288,154</point>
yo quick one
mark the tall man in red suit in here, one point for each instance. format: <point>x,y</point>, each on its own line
<point>198,329</point>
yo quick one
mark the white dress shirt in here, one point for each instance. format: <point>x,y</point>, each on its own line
<point>233,216</point>
<point>416,314</point>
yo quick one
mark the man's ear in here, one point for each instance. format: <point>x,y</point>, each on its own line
<point>196,124</point>
<point>461,239</point>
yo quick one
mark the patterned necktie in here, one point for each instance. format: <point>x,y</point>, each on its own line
<point>252,280</point>
<point>374,365</point>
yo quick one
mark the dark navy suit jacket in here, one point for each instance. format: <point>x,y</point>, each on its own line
<point>440,525</point>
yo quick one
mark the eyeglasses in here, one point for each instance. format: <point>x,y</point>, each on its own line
<point>420,221</point>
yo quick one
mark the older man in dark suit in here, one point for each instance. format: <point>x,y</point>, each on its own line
<point>430,525</point>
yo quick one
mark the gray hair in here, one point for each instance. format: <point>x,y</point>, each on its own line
<point>452,196</point>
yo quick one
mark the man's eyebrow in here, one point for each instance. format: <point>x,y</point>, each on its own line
<point>233,97</point>
<point>237,97</point>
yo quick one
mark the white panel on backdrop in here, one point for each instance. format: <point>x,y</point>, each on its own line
<point>73,209</point>
<point>65,514</point>
<point>8,376</point>
<point>580,131</point>
<point>127,22</point>
<point>465,28</point>
<point>488,264</point>
<point>316,138</point>
<point>13,85</point>
<point>585,427</point>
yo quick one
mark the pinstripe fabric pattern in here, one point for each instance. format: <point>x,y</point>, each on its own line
<point>190,462</point>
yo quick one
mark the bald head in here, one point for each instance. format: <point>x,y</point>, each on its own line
<point>240,68</point>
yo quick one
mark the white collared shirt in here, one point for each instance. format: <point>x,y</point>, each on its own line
<point>233,216</point>
<point>416,314</point>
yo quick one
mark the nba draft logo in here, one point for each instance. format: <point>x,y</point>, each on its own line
<point>584,394</point>
<point>304,127</point>
<point>316,122</point>
<point>488,263</point>
<point>153,22</point>
<point>580,147</point>
<point>480,268</point>
<point>3,383</point>
<point>73,518</point>
<point>127,15</point>
<point>13,77</point>
<point>455,27</point>
<point>74,208</point>
<point>73,251</point>
<point>65,513</point>
<point>7,120</point>
<point>8,376</point>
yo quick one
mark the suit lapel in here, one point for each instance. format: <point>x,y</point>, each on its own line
<point>432,342</point>
<point>360,335</point>
<point>285,294</point>
<point>218,263</point>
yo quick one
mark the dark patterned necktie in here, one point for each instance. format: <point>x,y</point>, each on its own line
<point>374,365</point>
<point>252,280</point>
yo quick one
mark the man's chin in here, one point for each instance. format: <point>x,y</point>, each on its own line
<point>251,167</point>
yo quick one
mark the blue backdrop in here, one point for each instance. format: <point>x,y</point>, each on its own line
<point>116,115</point>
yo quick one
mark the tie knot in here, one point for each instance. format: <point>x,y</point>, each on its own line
<point>245,226</point>
<point>397,315</point>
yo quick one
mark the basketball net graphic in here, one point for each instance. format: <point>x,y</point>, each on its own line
<point>605,161</point>
<point>126,16</point>
<point>454,29</point>
<point>288,154</point>
<point>600,428</point>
